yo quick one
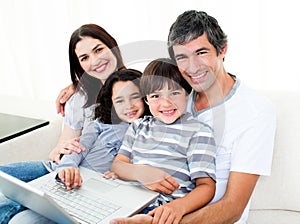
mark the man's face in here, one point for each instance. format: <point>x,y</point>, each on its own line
<point>199,63</point>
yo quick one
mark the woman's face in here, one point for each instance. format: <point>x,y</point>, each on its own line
<point>127,101</point>
<point>96,58</point>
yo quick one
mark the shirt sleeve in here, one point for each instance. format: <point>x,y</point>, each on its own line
<point>201,154</point>
<point>253,152</point>
<point>128,141</point>
<point>74,111</point>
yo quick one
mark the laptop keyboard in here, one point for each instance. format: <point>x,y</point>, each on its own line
<point>81,206</point>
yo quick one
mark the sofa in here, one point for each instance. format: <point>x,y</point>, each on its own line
<point>276,198</point>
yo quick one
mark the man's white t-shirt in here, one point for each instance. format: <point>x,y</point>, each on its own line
<point>244,129</point>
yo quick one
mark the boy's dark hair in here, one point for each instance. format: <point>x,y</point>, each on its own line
<point>105,111</point>
<point>192,24</point>
<point>160,72</point>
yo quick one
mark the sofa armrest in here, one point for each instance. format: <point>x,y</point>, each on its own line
<point>34,145</point>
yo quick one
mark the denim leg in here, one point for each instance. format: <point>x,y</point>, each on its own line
<point>30,217</point>
<point>25,171</point>
<point>8,209</point>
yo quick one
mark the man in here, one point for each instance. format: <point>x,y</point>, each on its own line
<point>243,121</point>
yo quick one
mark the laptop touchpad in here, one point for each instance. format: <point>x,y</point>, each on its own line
<point>98,185</point>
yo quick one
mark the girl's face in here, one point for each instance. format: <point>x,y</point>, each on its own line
<point>95,58</point>
<point>166,104</point>
<point>127,101</point>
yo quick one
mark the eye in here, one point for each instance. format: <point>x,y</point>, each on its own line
<point>136,96</point>
<point>98,50</point>
<point>201,52</point>
<point>118,101</point>
<point>177,92</point>
<point>153,96</point>
<point>84,58</point>
<point>180,58</point>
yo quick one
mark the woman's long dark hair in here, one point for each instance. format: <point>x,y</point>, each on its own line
<point>90,85</point>
<point>105,111</point>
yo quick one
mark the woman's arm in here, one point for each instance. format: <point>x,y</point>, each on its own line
<point>63,97</point>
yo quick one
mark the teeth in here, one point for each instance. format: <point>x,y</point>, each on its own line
<point>199,76</point>
<point>168,112</point>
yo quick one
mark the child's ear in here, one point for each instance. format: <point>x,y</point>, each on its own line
<point>146,101</point>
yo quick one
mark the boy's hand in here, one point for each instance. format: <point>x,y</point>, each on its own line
<point>157,180</point>
<point>71,177</point>
<point>110,175</point>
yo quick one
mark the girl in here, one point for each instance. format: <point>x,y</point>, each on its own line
<point>119,103</point>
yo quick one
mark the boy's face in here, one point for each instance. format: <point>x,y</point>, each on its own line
<point>127,101</point>
<point>167,105</point>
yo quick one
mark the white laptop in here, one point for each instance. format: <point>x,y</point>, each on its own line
<point>107,199</point>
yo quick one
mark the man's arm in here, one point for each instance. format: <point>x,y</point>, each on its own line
<point>229,208</point>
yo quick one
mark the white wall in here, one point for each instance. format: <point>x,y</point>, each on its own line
<point>34,36</point>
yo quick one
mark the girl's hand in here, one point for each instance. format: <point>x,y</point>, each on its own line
<point>67,147</point>
<point>71,177</point>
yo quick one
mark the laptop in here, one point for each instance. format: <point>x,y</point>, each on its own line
<point>116,198</point>
<point>12,126</point>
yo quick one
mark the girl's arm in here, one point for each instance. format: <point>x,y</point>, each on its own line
<point>61,147</point>
<point>173,212</point>
<point>151,177</point>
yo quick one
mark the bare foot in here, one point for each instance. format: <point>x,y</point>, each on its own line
<point>136,219</point>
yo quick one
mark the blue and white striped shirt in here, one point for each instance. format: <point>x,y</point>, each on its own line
<point>184,149</point>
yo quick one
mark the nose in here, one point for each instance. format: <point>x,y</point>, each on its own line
<point>194,64</point>
<point>166,101</point>
<point>94,59</point>
<point>128,104</point>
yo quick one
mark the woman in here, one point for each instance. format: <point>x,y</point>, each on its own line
<point>94,54</point>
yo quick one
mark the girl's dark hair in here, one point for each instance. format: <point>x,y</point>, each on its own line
<point>89,84</point>
<point>105,111</point>
<point>160,72</point>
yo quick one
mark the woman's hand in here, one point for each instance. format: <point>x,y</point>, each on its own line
<point>63,97</point>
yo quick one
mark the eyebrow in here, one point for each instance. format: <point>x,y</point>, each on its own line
<point>93,49</point>
<point>132,94</point>
<point>196,51</point>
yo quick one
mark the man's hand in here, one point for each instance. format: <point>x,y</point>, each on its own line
<point>167,214</point>
<point>63,97</point>
<point>71,177</point>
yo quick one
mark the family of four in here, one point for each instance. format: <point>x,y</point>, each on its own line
<point>202,134</point>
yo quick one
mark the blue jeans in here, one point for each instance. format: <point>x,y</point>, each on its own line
<point>25,171</point>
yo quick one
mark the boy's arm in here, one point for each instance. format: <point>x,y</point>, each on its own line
<point>151,177</point>
<point>173,212</point>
